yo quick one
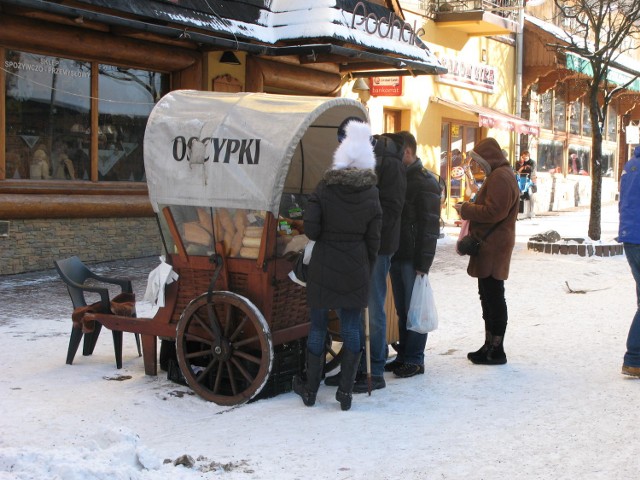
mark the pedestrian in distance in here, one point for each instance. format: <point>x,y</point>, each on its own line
<point>392,184</point>
<point>344,218</point>
<point>419,232</point>
<point>492,218</point>
<point>629,235</point>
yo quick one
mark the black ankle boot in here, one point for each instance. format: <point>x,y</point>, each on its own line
<point>479,354</point>
<point>348,372</point>
<point>308,390</point>
<point>494,354</point>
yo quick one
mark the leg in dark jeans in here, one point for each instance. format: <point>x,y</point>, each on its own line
<point>494,313</point>
<point>494,305</point>
<point>632,356</point>
<point>411,344</point>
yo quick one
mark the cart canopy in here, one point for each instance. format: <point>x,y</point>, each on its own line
<point>240,150</point>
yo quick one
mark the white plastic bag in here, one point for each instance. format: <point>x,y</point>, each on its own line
<point>422,316</point>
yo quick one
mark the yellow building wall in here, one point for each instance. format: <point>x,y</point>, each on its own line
<point>423,117</point>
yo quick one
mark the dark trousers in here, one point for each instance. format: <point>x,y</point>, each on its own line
<point>494,305</point>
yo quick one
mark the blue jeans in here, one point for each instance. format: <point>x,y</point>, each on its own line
<point>350,320</point>
<point>632,357</point>
<point>411,344</point>
<point>377,317</point>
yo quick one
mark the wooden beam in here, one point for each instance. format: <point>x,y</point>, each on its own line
<point>263,73</point>
<point>84,44</point>
<point>17,206</point>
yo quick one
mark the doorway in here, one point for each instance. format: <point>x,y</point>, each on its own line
<point>456,139</point>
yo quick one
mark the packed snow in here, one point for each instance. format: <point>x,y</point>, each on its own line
<point>558,409</point>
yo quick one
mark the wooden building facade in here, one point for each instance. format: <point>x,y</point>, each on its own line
<point>78,80</point>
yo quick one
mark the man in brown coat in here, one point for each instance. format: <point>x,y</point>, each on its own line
<point>494,210</point>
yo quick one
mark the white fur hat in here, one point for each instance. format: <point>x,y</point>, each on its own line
<point>356,150</point>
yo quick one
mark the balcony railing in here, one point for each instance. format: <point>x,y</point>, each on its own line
<point>446,11</point>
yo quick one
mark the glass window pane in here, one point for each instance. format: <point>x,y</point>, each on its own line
<point>549,156</point>
<point>579,159</point>
<point>574,118</point>
<point>546,101</point>
<point>612,118</point>
<point>47,117</point>
<point>586,120</point>
<point>127,96</point>
<point>560,109</point>
<point>607,163</point>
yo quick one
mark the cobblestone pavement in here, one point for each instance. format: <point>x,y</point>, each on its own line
<point>42,295</point>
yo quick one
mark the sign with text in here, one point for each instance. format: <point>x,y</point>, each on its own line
<point>385,86</point>
<point>462,73</point>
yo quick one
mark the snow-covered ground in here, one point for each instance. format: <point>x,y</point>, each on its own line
<point>560,409</point>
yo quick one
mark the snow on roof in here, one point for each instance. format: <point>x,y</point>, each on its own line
<point>287,20</point>
<point>565,36</point>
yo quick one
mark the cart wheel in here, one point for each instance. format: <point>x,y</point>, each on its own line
<point>236,369</point>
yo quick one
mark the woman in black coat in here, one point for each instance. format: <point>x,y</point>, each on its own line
<point>344,218</point>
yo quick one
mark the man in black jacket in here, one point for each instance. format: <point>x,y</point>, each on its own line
<point>419,231</point>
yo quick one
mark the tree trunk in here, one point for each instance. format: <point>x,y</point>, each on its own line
<point>595,217</point>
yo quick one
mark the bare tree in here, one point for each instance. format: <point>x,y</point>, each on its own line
<point>601,32</point>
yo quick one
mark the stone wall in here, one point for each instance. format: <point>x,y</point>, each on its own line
<point>34,244</point>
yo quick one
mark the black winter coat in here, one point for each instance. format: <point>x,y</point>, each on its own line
<point>392,186</point>
<point>420,223</point>
<point>344,217</point>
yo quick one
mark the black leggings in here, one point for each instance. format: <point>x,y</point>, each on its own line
<point>494,305</point>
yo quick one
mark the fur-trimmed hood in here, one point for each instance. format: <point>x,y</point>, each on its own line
<point>353,177</point>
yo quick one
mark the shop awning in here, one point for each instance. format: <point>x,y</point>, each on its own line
<point>491,118</point>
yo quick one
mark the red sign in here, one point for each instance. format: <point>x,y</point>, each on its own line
<point>385,86</point>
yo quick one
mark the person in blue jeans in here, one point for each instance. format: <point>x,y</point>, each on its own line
<point>419,231</point>
<point>392,184</point>
<point>629,235</point>
<point>344,218</point>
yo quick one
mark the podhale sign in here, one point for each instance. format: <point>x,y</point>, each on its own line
<point>385,86</point>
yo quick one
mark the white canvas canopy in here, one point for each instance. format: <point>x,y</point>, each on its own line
<point>240,150</point>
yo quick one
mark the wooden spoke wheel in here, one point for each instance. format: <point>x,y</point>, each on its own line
<point>231,368</point>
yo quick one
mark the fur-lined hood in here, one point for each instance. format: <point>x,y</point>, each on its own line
<point>354,177</point>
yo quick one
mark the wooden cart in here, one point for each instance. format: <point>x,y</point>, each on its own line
<point>226,172</point>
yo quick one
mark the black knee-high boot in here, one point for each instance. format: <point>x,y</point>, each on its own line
<point>348,372</point>
<point>308,390</point>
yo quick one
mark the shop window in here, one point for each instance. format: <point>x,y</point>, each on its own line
<point>455,141</point>
<point>49,122</point>
<point>586,121</point>
<point>560,109</point>
<point>545,112</point>
<point>549,156</point>
<point>579,160</point>
<point>607,163</point>
<point>612,121</point>
<point>575,115</point>
<point>47,117</point>
<point>127,96</point>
